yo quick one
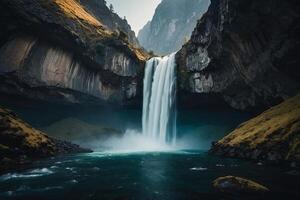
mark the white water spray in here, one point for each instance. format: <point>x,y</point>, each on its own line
<point>159,100</point>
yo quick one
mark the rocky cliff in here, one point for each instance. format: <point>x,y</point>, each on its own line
<point>272,136</point>
<point>21,144</point>
<point>245,53</point>
<point>172,25</point>
<point>57,50</point>
<point>99,9</point>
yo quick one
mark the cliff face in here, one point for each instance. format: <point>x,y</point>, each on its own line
<point>56,49</point>
<point>271,136</point>
<point>111,20</point>
<point>244,52</point>
<point>20,143</point>
<point>172,25</point>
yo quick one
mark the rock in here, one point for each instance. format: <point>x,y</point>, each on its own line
<point>21,144</point>
<point>111,20</point>
<point>242,54</point>
<point>272,136</point>
<point>56,50</point>
<point>238,186</point>
<point>172,25</point>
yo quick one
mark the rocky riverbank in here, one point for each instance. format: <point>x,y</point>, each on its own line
<point>273,136</point>
<point>20,144</point>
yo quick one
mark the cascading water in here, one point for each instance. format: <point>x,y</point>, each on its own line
<point>159,100</point>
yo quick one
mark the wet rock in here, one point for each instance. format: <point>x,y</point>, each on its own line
<point>237,185</point>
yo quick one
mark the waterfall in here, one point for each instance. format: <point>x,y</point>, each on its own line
<point>159,99</point>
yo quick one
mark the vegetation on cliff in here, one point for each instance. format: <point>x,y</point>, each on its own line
<point>60,45</point>
<point>274,135</point>
<point>70,16</point>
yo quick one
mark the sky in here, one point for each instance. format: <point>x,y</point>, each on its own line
<point>137,12</point>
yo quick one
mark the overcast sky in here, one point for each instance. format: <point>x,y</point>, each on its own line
<point>137,12</point>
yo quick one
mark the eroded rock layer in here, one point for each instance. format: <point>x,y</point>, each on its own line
<point>59,47</point>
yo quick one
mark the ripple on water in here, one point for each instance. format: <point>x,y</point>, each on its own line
<point>73,181</point>
<point>96,169</point>
<point>29,174</point>
<point>41,171</point>
<point>198,169</point>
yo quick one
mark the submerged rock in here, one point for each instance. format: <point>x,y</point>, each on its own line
<point>21,144</point>
<point>272,136</point>
<point>238,186</point>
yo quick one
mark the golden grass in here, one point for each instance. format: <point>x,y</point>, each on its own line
<point>280,124</point>
<point>83,22</point>
<point>33,138</point>
<point>94,30</point>
<point>73,9</point>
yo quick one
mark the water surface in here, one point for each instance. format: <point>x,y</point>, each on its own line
<point>140,175</point>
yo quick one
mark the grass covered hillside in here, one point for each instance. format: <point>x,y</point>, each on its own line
<point>20,143</point>
<point>273,135</point>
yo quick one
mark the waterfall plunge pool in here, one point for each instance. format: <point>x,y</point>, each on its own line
<point>168,175</point>
<point>125,171</point>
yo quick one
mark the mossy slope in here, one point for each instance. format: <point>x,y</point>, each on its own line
<point>273,135</point>
<point>20,143</point>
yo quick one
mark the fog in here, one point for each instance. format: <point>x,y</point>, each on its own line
<point>119,129</point>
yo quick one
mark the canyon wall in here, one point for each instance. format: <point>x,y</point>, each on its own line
<point>56,50</point>
<point>111,20</point>
<point>243,53</point>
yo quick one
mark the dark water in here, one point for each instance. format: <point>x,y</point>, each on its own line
<point>142,176</point>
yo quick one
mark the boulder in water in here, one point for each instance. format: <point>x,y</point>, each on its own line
<point>236,185</point>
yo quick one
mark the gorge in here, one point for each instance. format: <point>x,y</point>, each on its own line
<point>89,110</point>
